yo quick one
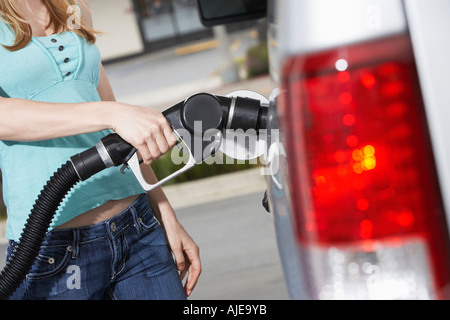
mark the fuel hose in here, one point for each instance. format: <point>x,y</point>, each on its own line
<point>80,168</point>
<point>38,222</point>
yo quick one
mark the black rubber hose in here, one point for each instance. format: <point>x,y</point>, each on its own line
<point>38,222</point>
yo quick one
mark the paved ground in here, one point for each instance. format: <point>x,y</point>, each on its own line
<point>238,249</point>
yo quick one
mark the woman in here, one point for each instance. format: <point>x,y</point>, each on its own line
<point>56,101</point>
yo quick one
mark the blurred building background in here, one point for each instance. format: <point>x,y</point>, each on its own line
<point>143,26</point>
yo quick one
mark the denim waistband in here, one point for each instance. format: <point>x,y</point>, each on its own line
<point>108,228</point>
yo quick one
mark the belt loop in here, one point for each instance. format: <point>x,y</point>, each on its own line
<point>75,243</point>
<point>134,214</point>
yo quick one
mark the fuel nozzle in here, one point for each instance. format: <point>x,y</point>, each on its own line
<point>200,123</point>
<point>217,112</point>
<point>205,113</point>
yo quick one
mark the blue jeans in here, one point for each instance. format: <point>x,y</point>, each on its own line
<point>125,257</point>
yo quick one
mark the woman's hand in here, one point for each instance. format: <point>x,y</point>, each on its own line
<point>186,252</point>
<point>144,128</point>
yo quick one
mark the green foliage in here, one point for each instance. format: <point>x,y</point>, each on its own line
<point>165,166</point>
<point>2,211</point>
<point>257,60</point>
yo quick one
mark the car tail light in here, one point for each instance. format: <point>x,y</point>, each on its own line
<point>368,213</point>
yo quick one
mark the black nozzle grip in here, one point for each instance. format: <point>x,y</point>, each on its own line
<point>197,114</point>
<point>118,149</point>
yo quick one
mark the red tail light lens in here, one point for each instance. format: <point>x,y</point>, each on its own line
<point>362,173</point>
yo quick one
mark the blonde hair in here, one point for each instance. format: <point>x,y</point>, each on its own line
<point>60,18</point>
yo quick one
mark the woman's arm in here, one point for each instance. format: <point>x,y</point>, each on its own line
<point>104,87</point>
<point>184,249</point>
<point>26,120</point>
<point>146,129</point>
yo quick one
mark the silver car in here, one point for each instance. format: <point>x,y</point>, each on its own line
<point>360,172</point>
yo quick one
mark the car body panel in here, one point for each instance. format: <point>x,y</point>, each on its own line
<point>429,24</point>
<point>298,27</point>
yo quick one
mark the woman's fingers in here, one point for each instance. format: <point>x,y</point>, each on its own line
<point>158,141</point>
<point>194,268</point>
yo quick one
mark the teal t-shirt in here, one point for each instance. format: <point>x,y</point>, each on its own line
<point>61,68</point>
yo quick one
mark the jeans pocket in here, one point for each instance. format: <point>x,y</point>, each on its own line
<point>149,225</point>
<point>50,261</point>
<point>147,221</point>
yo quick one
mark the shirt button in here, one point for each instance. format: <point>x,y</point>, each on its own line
<point>61,48</point>
<point>54,40</point>
<point>113,227</point>
<point>66,60</point>
<point>68,74</point>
